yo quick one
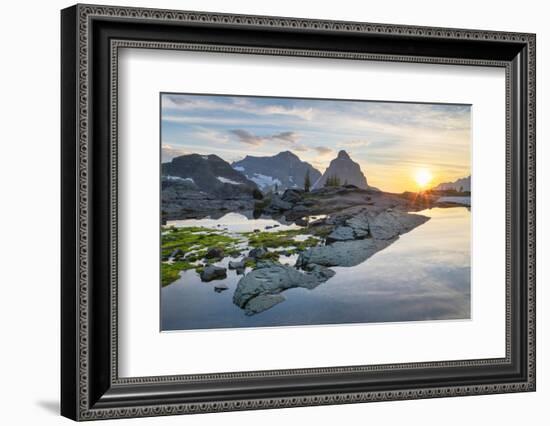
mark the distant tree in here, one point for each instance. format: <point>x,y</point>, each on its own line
<point>307,182</point>
<point>461,189</point>
<point>276,188</point>
<point>257,194</point>
<point>332,181</point>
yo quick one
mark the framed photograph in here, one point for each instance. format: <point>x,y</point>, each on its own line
<point>263,212</point>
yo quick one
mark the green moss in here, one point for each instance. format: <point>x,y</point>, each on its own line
<point>250,263</point>
<point>280,239</point>
<point>321,231</point>
<point>272,239</point>
<point>304,245</point>
<point>170,272</point>
<point>271,255</point>
<point>196,239</point>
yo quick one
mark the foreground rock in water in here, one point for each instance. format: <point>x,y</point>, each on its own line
<point>341,233</point>
<point>257,253</point>
<point>271,278</point>
<point>214,252</point>
<point>391,223</point>
<point>213,273</point>
<point>342,253</point>
<point>359,237</point>
<point>236,264</point>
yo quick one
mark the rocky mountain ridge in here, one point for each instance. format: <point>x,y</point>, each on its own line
<point>459,185</point>
<point>281,171</point>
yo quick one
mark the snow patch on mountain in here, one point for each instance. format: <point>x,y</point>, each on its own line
<point>264,181</point>
<point>225,180</point>
<point>178,179</point>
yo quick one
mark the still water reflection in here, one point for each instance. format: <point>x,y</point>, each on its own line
<point>424,275</point>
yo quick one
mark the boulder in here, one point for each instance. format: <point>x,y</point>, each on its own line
<point>272,278</point>
<point>341,233</point>
<point>236,265</point>
<point>301,221</point>
<point>278,204</point>
<point>212,272</point>
<point>360,225</point>
<point>214,253</point>
<point>292,195</point>
<point>257,253</point>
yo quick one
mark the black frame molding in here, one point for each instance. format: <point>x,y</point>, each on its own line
<point>91,38</point>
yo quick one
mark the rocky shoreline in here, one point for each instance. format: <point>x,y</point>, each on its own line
<point>353,240</point>
<point>350,225</point>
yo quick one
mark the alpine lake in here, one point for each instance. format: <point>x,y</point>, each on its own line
<point>423,274</point>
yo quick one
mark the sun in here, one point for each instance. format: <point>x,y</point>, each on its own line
<point>423,177</point>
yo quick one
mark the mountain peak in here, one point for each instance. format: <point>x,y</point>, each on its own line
<point>343,155</point>
<point>345,171</point>
<point>283,170</point>
<point>287,154</point>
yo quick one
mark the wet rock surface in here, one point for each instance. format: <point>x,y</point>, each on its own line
<point>270,278</point>
<point>391,223</point>
<point>341,233</point>
<point>342,253</point>
<point>214,253</point>
<point>257,253</point>
<point>359,236</point>
<point>211,272</point>
<point>236,264</point>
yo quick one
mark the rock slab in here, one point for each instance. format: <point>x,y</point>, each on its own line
<point>271,278</point>
<point>212,272</point>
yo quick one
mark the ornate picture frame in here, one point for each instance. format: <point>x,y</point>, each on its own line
<point>91,37</point>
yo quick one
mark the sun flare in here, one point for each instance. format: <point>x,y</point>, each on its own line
<point>423,177</point>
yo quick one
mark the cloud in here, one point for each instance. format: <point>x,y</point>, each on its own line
<point>170,151</point>
<point>249,138</point>
<point>357,143</point>
<point>300,148</point>
<point>235,104</point>
<point>245,136</point>
<point>323,150</point>
<point>291,137</point>
<point>303,113</point>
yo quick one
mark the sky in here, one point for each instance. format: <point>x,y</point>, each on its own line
<point>391,141</point>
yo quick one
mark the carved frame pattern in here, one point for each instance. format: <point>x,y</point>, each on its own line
<point>85,13</point>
